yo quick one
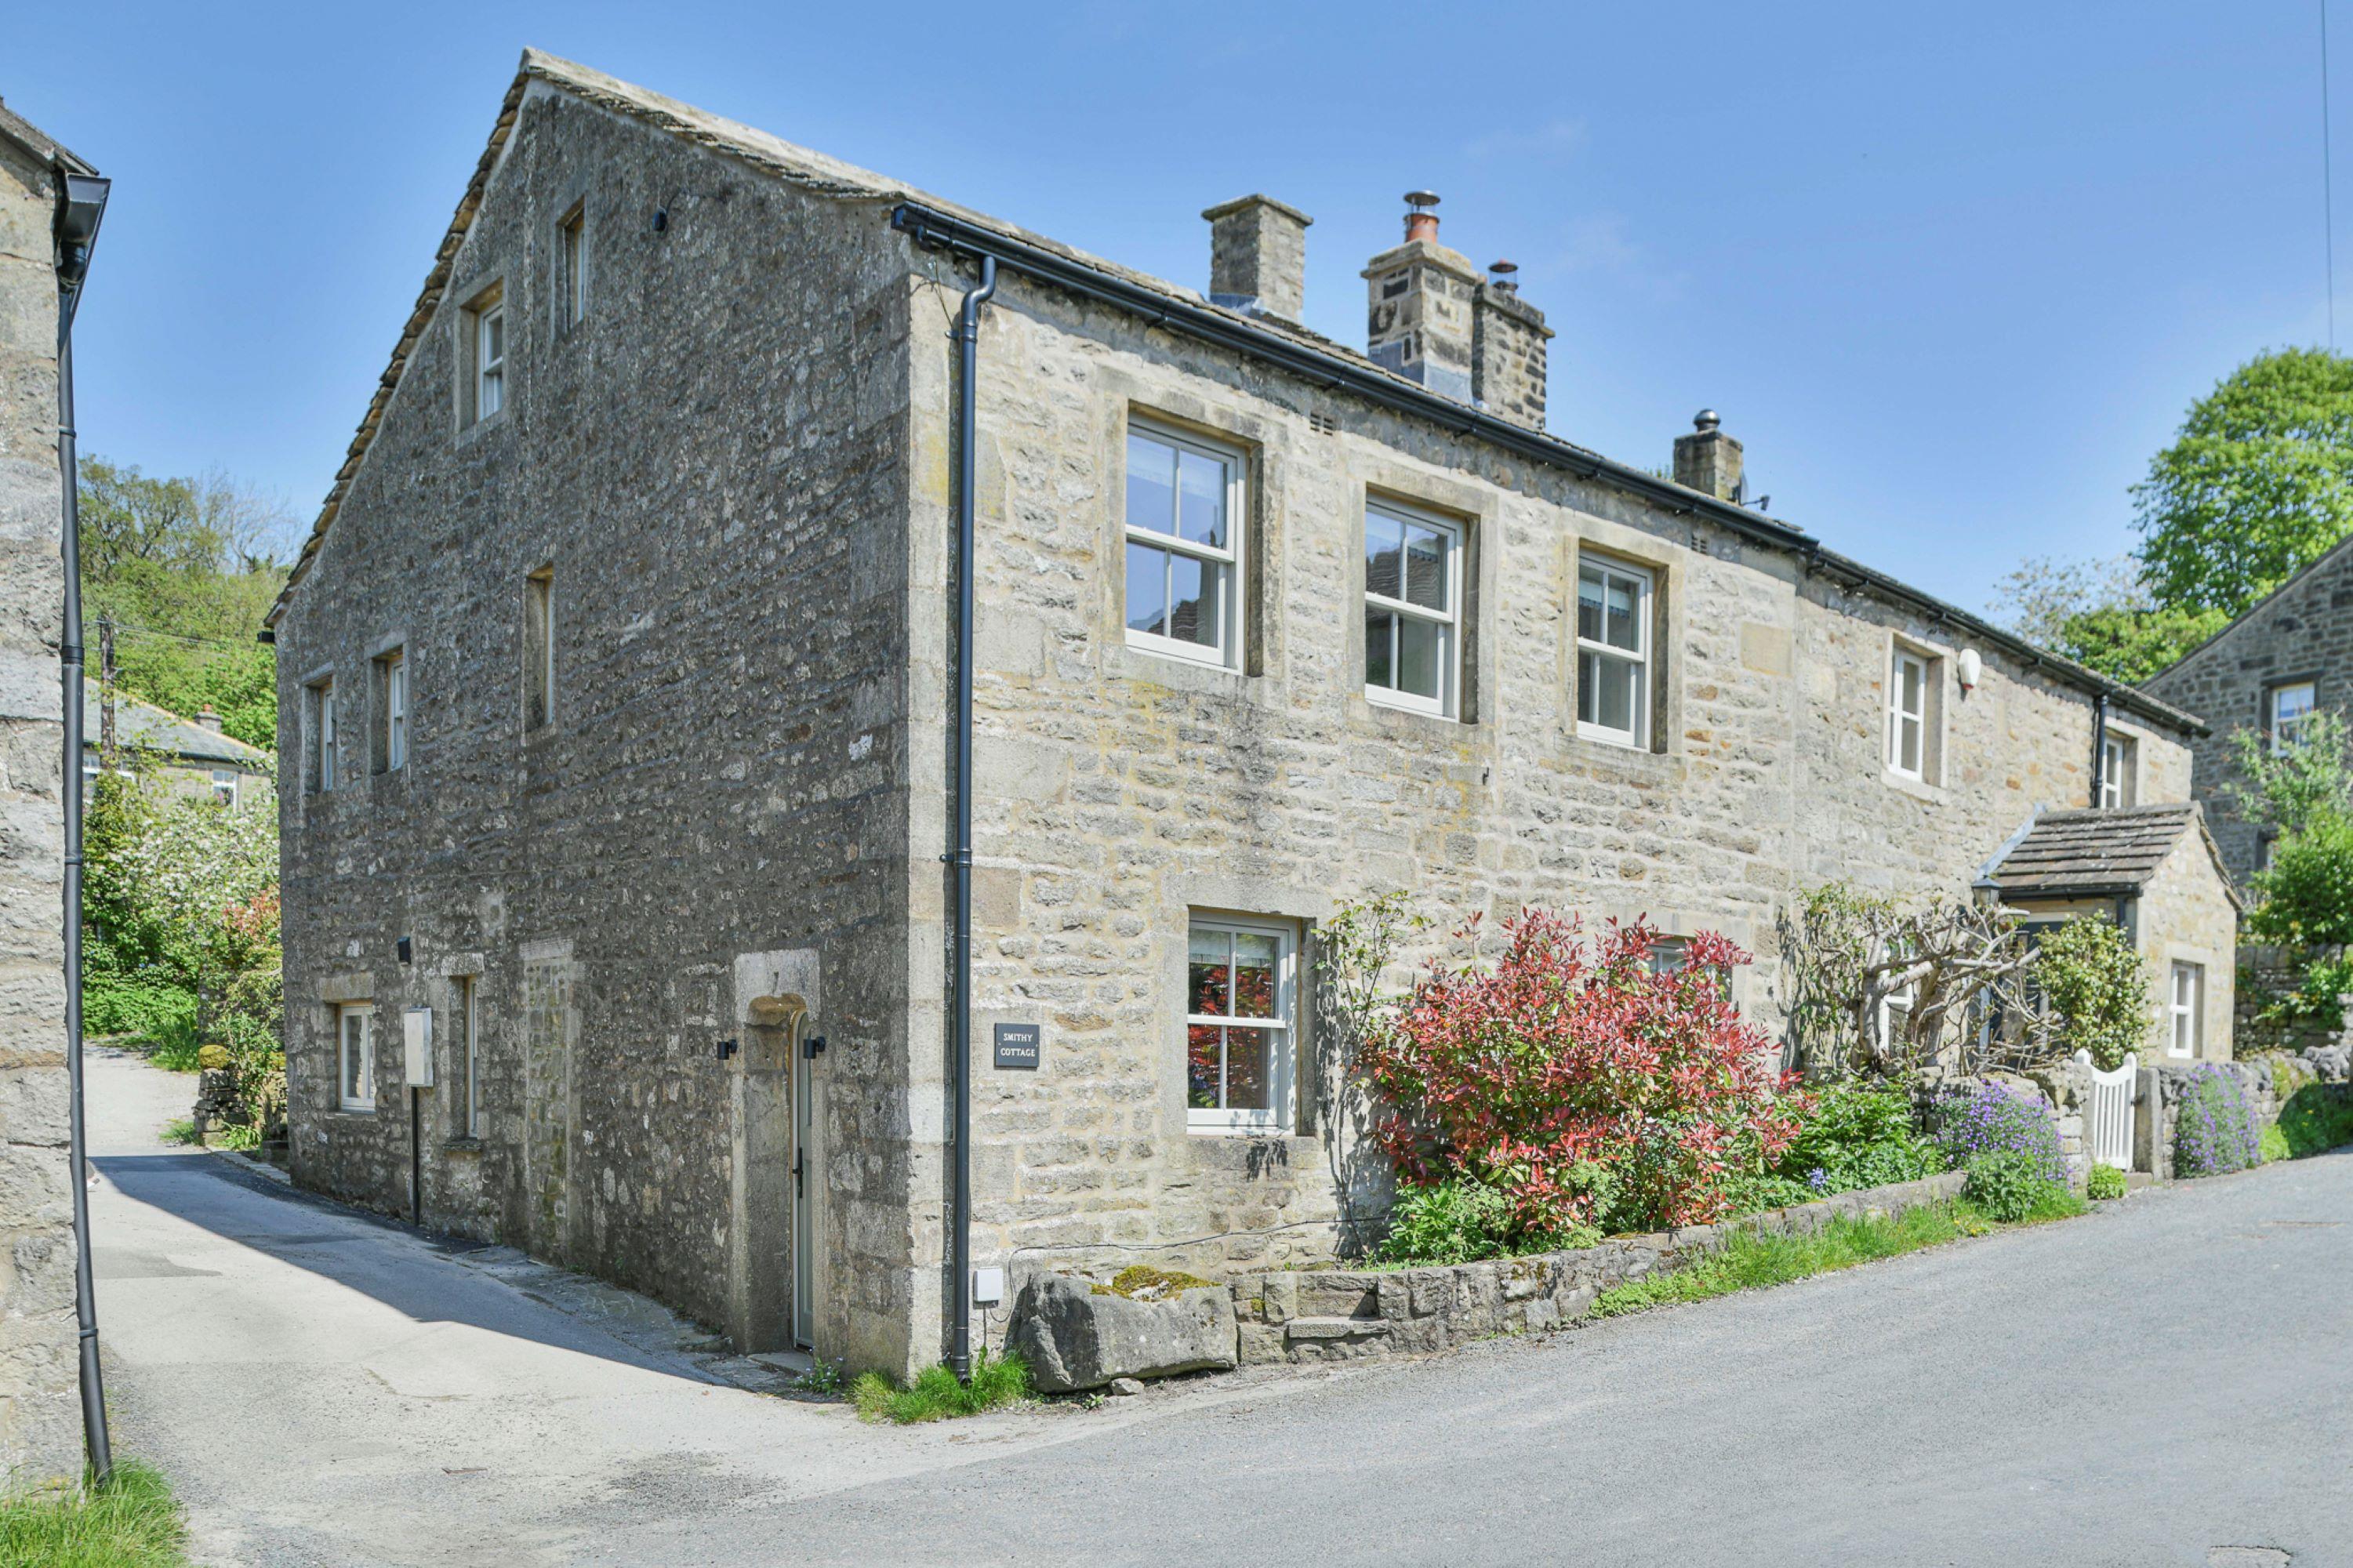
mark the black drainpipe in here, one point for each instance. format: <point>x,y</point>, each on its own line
<point>2099,748</point>
<point>78,214</point>
<point>967,366</point>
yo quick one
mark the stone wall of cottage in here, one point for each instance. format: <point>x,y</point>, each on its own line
<point>40,1436</point>
<point>712,831</point>
<point>2185,915</point>
<point>2303,631</point>
<point>1118,790</point>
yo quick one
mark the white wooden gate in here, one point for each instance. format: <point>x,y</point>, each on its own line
<point>2108,1114</point>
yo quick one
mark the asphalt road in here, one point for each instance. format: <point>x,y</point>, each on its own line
<point>2160,1382</point>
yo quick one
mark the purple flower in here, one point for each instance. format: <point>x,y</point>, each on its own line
<point>1991,1118</point>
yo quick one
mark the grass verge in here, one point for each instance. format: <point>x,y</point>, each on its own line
<point>129,1522</point>
<point>1752,1262</point>
<point>936,1396</point>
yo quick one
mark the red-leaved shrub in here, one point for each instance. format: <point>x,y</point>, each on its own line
<point>1588,1088</point>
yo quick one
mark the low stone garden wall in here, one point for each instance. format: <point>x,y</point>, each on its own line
<point>2270,1081</point>
<point>1345,1314</point>
<point>2267,972</point>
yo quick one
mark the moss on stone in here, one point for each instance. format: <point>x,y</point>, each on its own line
<point>1143,1282</point>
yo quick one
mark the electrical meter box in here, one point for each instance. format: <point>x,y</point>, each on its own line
<point>416,1043</point>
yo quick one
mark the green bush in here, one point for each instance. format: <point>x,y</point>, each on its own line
<point>1462,1221</point>
<point>2096,984</point>
<point>1854,1137</point>
<point>2317,1117</point>
<point>2274,1145</point>
<point>2214,1130</point>
<point>147,1010</point>
<point>2008,1186</point>
<point>936,1396</point>
<point>2308,891</point>
<point>2104,1182</point>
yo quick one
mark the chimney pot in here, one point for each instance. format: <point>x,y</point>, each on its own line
<point>1257,257</point>
<point>1502,275</point>
<point>1421,221</point>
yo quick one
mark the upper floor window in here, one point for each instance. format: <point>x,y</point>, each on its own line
<point>356,1046</point>
<point>1613,652</point>
<point>392,691</point>
<point>1238,1024</point>
<point>1184,546</point>
<point>485,346</point>
<point>1412,609</point>
<point>2118,755</point>
<point>318,746</point>
<point>572,269</point>
<point>2289,706</point>
<point>2185,1010</point>
<point>1910,687</point>
<point>539,648</point>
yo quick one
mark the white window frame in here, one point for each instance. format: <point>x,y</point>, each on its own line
<point>470,1040</point>
<point>1900,657</point>
<point>225,780</point>
<point>2185,1017</point>
<point>2117,756</point>
<point>489,365</point>
<point>1281,1047</point>
<point>364,1014</point>
<point>1229,562</point>
<point>1448,620</point>
<point>572,267</point>
<point>2283,732</point>
<point>395,709</point>
<point>1645,665</point>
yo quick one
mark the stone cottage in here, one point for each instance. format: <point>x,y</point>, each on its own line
<point>2155,870</point>
<point>2288,658</point>
<point>188,756</point>
<point>40,1430</point>
<point>618,695</point>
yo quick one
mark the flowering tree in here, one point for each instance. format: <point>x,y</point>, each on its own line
<point>1582,1082</point>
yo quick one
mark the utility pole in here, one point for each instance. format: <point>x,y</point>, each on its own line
<point>106,754</point>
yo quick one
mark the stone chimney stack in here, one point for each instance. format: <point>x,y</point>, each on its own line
<point>1421,297</point>
<point>207,719</point>
<point>1507,350</point>
<point>1707,459</point>
<point>1257,257</point>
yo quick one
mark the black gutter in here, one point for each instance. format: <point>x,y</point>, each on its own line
<point>80,208</point>
<point>960,1226</point>
<point>936,230</point>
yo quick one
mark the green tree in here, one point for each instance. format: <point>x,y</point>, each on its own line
<point>2258,482</point>
<point>186,569</point>
<point>2101,614</point>
<point>2096,986</point>
<point>2295,786</point>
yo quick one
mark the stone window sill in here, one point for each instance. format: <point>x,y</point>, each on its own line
<point>1919,789</point>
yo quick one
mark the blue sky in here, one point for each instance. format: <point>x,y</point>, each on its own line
<point>1951,273</point>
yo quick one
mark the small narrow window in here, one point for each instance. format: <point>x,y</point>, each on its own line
<point>2187,1010</point>
<point>224,785</point>
<point>321,761</point>
<point>1413,598</point>
<point>539,648</point>
<point>1614,653</point>
<point>484,349</point>
<point>572,263</point>
<point>2290,706</point>
<point>392,689</point>
<point>1907,714</point>
<point>1238,1012</point>
<point>469,1069</point>
<point>356,1028</point>
<point>2118,755</point>
<point>1184,547</point>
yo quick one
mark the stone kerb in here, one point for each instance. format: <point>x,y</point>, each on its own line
<point>1344,1314</point>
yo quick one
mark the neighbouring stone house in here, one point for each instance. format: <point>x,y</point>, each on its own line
<point>618,728</point>
<point>2155,871</point>
<point>40,1430</point>
<point>2289,656</point>
<point>185,756</point>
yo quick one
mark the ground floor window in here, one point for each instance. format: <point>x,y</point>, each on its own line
<point>1238,1024</point>
<point>2185,1010</point>
<point>356,1028</point>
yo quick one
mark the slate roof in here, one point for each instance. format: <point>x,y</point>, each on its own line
<point>138,723</point>
<point>832,177</point>
<point>2091,854</point>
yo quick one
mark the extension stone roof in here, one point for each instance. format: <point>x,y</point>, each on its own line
<point>143,725</point>
<point>2096,853</point>
<point>830,176</point>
